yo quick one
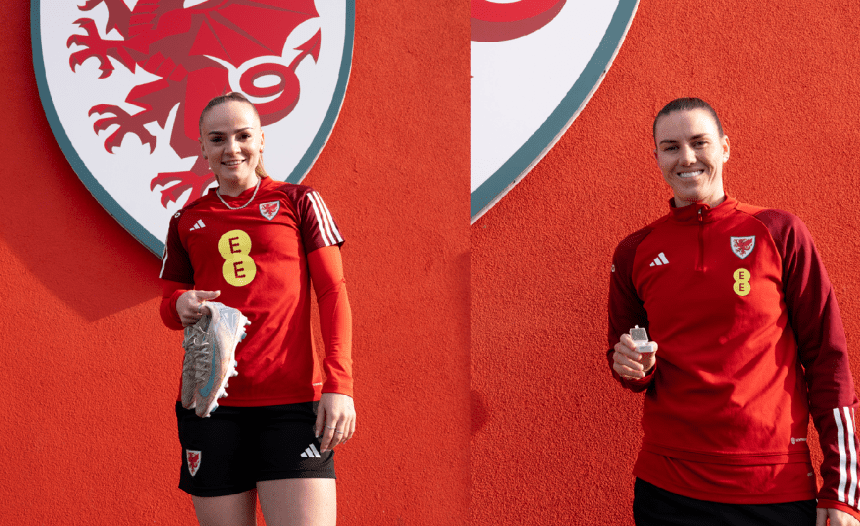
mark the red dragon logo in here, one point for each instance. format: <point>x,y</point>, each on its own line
<point>742,246</point>
<point>193,458</point>
<point>180,46</point>
<point>268,210</point>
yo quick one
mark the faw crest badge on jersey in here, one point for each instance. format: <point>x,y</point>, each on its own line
<point>123,83</point>
<point>269,210</point>
<point>535,64</point>
<point>743,246</point>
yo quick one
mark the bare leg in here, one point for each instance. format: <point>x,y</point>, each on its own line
<point>298,502</point>
<point>229,510</point>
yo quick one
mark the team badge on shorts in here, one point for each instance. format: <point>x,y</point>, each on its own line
<point>270,209</point>
<point>743,246</point>
<point>123,83</point>
<point>535,65</point>
<point>193,460</point>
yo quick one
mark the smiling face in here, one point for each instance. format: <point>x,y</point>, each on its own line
<point>690,153</point>
<point>232,141</point>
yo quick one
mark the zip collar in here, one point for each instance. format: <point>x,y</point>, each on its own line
<point>701,212</point>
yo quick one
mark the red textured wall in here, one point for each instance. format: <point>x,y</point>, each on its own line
<point>89,374</point>
<point>553,437</point>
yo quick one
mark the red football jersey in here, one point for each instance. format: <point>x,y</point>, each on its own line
<point>750,344</point>
<point>257,257</point>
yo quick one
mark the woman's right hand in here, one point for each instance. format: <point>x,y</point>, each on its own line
<point>191,305</point>
<point>629,363</point>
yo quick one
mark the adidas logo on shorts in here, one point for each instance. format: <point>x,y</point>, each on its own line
<point>311,452</point>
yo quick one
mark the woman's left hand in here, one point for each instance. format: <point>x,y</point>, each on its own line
<point>335,420</point>
<point>837,517</point>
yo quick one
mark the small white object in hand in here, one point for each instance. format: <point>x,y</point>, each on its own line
<point>640,339</point>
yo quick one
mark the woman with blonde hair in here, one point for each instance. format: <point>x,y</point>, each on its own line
<point>258,245</point>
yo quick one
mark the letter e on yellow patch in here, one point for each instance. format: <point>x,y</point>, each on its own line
<point>742,282</point>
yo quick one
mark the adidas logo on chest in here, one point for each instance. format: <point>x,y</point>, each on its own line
<point>659,260</point>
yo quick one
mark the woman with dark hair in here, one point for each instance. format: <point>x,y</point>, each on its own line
<point>747,344</point>
<point>257,245</point>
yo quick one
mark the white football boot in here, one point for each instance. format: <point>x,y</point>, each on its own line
<point>215,362</point>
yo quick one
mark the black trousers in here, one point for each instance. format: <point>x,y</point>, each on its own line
<point>653,506</point>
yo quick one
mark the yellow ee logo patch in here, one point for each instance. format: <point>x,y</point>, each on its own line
<point>239,267</point>
<point>742,282</point>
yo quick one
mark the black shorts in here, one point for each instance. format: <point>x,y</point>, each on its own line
<point>653,505</point>
<point>236,447</point>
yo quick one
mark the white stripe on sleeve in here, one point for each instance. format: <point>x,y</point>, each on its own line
<point>163,261</point>
<point>323,232</point>
<point>328,239</point>
<point>329,221</point>
<point>852,468</point>
<point>842,474</point>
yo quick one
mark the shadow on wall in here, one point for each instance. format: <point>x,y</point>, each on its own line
<point>479,412</point>
<point>74,248</point>
<point>54,226</point>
